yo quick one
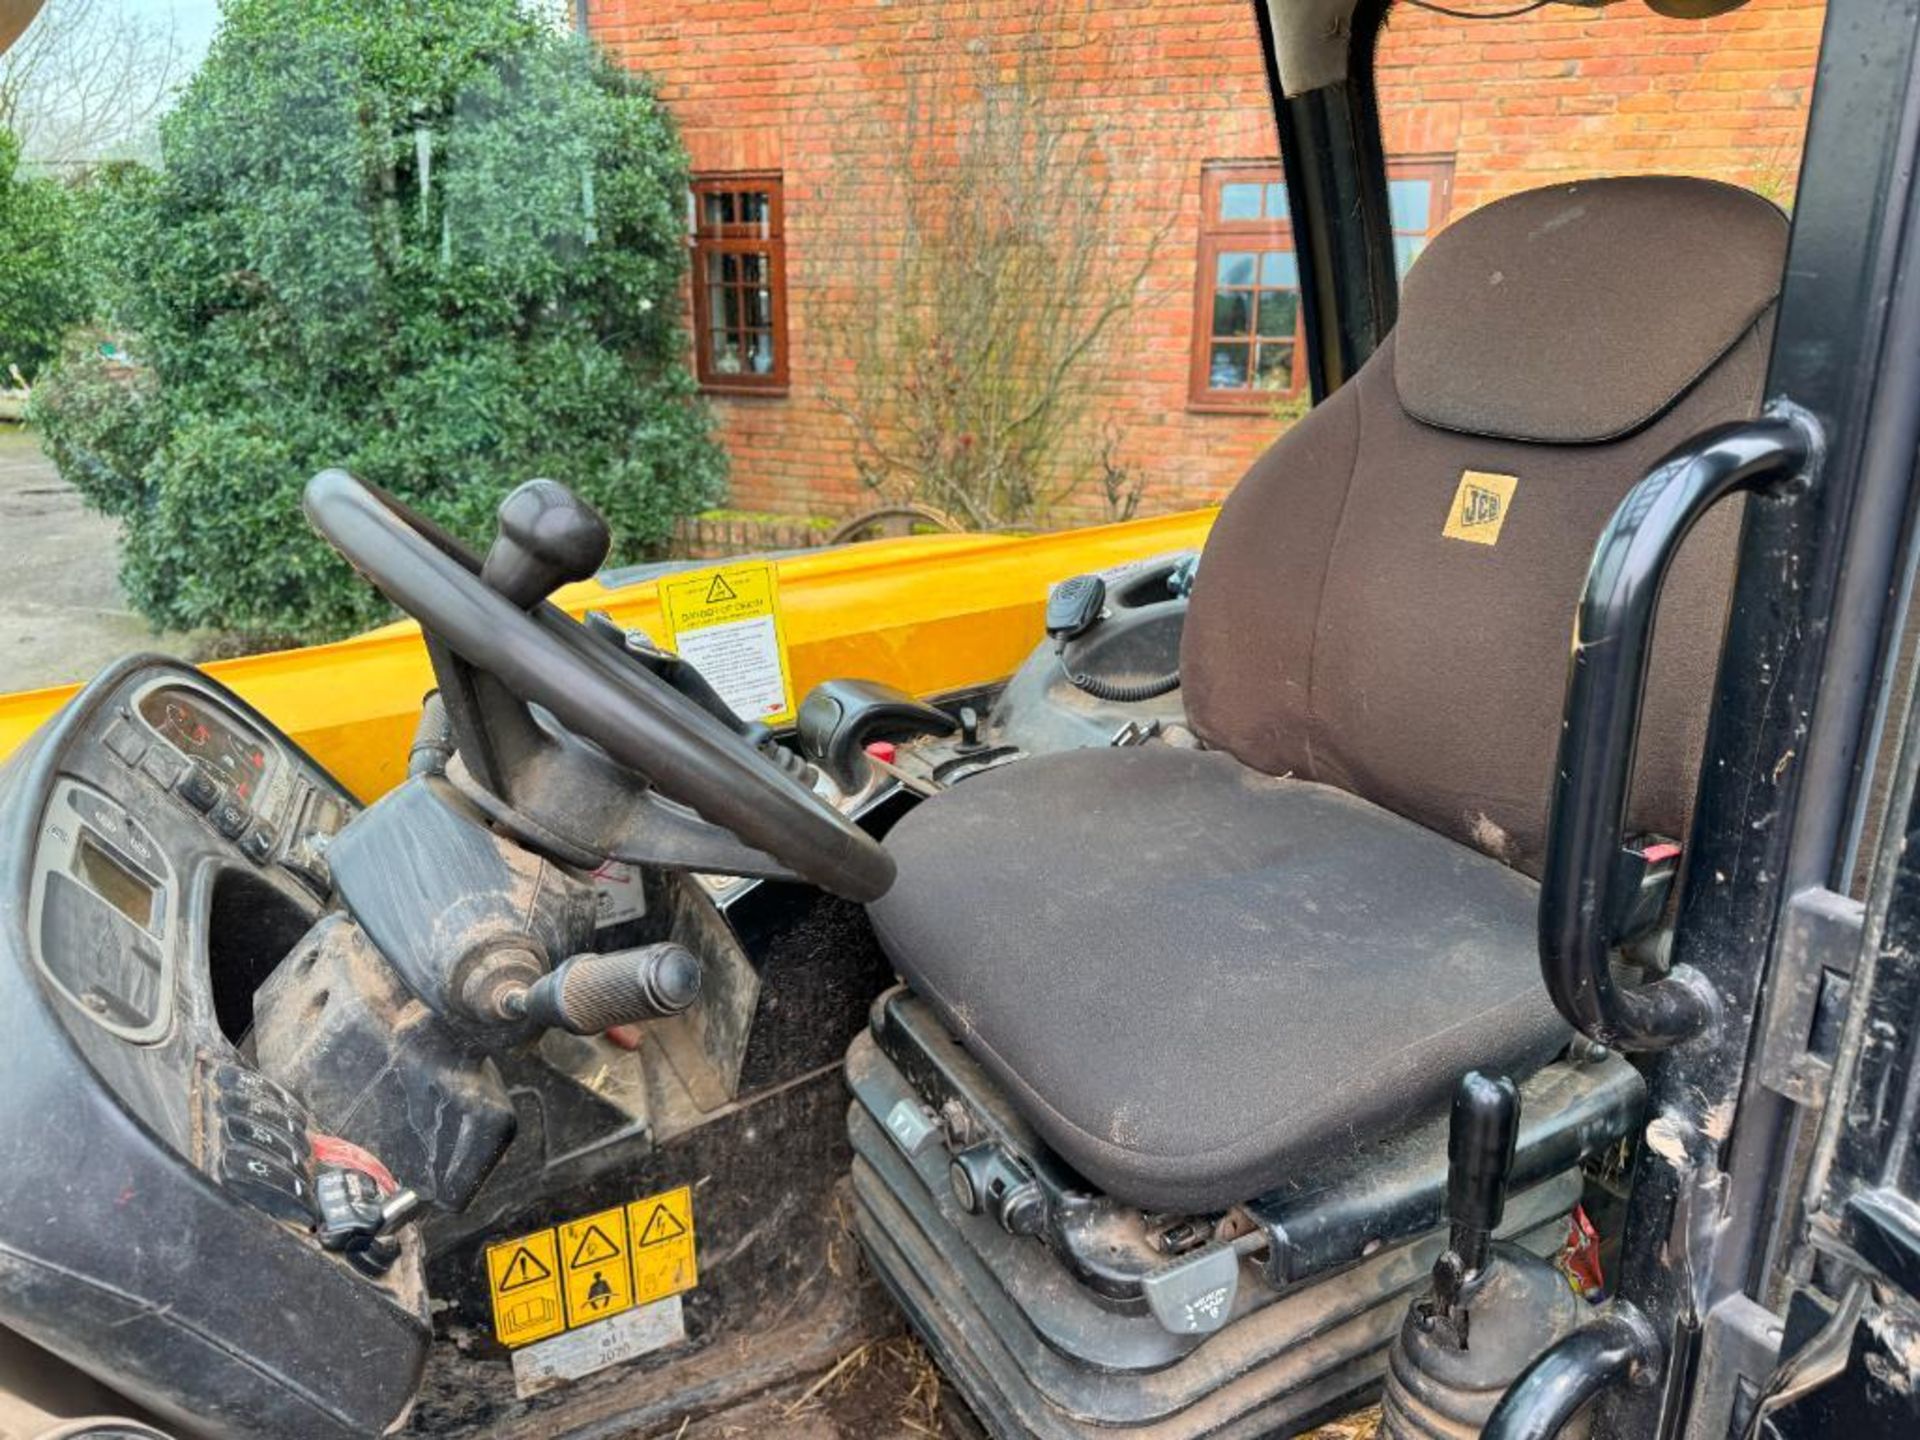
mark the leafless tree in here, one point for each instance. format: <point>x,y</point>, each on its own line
<point>979,265</point>
<point>87,82</point>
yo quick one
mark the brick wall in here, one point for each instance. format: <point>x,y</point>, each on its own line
<point>816,90</point>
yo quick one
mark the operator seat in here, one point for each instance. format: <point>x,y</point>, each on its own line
<point>1196,969</point>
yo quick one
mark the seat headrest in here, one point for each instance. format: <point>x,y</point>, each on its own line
<point>1580,313</point>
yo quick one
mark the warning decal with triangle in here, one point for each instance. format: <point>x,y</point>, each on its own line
<point>593,1268</point>
<point>523,1269</point>
<point>594,1249</point>
<point>726,623</point>
<point>599,1281</point>
<point>662,1225</point>
<point>662,1229</point>
<point>523,1275</point>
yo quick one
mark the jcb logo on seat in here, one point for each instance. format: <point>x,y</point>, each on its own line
<point>1480,507</point>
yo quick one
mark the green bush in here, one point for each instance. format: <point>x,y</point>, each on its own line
<point>42,284</point>
<point>438,242</point>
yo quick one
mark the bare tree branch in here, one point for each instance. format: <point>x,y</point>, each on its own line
<point>970,328</point>
<point>88,82</point>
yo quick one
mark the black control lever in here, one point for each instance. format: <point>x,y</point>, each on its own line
<point>1484,1129</point>
<point>548,537</point>
<point>590,993</point>
<point>1494,1305</point>
<point>1480,1142</point>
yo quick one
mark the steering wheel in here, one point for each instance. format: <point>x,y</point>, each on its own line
<point>493,615</point>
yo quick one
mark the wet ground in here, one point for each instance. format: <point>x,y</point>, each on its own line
<point>62,616</point>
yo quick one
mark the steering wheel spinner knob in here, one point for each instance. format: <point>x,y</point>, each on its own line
<point>548,537</point>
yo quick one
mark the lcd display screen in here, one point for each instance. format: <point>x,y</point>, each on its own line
<point>130,894</point>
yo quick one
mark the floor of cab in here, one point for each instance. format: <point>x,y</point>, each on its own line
<point>888,1389</point>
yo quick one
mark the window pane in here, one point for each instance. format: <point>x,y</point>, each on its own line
<point>1235,268</point>
<point>1239,201</point>
<point>726,353</point>
<point>729,269</point>
<point>763,353</point>
<point>1405,248</point>
<point>719,209</point>
<point>753,269</point>
<point>756,207</point>
<point>1411,203</point>
<point>760,309</point>
<point>1279,310</point>
<point>717,296</point>
<point>1276,202</point>
<point>1279,267</point>
<point>1227,369</point>
<point>1232,312</point>
<point>1274,369</point>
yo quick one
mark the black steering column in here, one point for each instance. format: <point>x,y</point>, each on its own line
<point>564,739</point>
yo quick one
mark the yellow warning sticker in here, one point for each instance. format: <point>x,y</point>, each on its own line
<point>1480,507</point>
<point>524,1276</point>
<point>598,1276</point>
<point>727,622</point>
<point>662,1231</point>
<point>593,1268</point>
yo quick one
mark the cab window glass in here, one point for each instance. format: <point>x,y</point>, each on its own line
<point>745,288</point>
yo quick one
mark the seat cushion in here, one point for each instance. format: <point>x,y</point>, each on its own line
<point>1197,981</point>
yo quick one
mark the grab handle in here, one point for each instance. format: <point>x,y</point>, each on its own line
<point>1612,642</point>
<point>1617,1347</point>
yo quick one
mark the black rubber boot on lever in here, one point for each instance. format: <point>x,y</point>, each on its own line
<point>1493,1306</point>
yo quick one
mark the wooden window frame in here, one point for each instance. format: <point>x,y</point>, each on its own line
<point>768,241</point>
<point>1218,236</point>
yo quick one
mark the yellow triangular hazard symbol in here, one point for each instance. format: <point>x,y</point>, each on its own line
<point>593,1248</point>
<point>720,590</point>
<point>663,1225</point>
<point>524,1269</point>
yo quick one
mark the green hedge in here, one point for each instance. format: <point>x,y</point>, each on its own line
<point>437,242</point>
<point>42,281</point>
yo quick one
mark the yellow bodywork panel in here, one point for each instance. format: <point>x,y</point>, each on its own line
<point>929,613</point>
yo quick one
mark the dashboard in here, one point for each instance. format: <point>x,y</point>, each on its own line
<point>162,849</point>
<point>174,786</point>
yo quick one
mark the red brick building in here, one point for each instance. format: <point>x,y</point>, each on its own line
<point>780,101</point>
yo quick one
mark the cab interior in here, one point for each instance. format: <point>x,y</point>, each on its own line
<point>1128,1011</point>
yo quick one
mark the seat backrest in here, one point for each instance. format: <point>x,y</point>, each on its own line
<point>1386,601</point>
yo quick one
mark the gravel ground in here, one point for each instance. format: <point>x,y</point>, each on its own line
<point>62,616</point>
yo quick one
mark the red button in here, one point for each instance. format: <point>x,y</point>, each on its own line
<point>1658,854</point>
<point>883,750</point>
